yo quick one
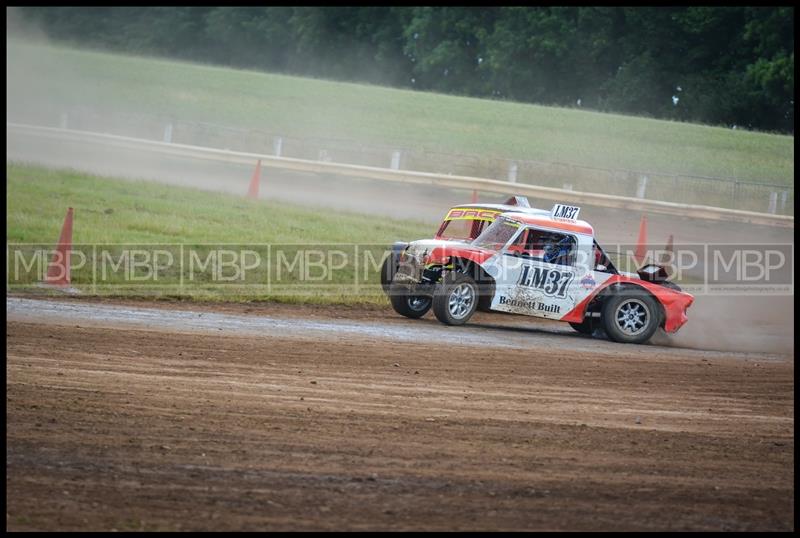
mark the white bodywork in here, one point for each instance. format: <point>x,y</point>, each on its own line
<point>536,288</point>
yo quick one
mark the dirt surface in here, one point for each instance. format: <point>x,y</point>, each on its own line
<point>309,418</point>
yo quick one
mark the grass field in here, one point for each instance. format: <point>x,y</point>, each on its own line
<point>132,213</point>
<point>49,78</point>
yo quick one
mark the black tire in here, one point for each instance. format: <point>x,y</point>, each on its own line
<point>388,271</point>
<point>455,299</point>
<point>485,303</point>
<point>410,306</point>
<point>588,325</point>
<point>631,317</point>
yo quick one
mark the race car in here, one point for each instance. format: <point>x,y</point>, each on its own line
<point>534,262</point>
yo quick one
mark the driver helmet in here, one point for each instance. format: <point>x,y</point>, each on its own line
<point>554,246</point>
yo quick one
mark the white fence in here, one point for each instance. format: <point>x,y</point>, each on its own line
<point>326,166</point>
<point>678,188</point>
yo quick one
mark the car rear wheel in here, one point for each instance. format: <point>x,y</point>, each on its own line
<point>408,305</point>
<point>631,317</point>
<point>455,299</point>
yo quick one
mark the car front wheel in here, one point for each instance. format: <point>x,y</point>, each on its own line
<point>455,299</point>
<point>410,306</point>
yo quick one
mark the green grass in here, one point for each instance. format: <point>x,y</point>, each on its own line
<point>303,107</point>
<point>128,213</point>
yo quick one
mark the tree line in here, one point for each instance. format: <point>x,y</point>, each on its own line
<point>715,65</point>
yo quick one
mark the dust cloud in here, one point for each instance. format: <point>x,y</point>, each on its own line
<point>757,324</point>
<point>44,89</point>
<point>34,76</point>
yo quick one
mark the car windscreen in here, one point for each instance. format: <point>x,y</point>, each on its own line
<point>497,234</point>
<point>462,229</point>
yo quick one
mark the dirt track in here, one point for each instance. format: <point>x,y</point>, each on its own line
<point>149,426</point>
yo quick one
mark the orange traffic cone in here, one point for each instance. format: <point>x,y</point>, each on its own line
<point>474,196</point>
<point>641,244</point>
<point>58,270</point>
<point>253,190</point>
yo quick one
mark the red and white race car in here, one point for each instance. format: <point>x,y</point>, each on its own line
<point>517,259</point>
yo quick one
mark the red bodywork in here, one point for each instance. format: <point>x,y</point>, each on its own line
<point>439,255</point>
<point>674,302</point>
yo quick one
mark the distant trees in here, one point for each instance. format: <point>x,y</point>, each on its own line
<point>719,65</point>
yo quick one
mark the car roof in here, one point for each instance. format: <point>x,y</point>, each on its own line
<point>544,219</point>
<point>504,208</point>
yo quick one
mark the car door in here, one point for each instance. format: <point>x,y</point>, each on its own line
<point>529,281</point>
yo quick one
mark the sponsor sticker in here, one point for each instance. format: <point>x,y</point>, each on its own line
<point>530,305</point>
<point>471,214</point>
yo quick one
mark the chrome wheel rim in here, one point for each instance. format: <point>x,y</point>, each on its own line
<point>632,317</point>
<point>461,299</point>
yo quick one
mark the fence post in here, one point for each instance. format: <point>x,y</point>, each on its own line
<point>64,119</point>
<point>773,202</point>
<point>641,187</point>
<point>168,133</point>
<point>277,145</point>
<point>784,199</point>
<point>395,165</point>
<point>512,172</point>
<point>567,186</point>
